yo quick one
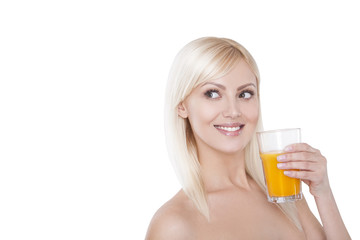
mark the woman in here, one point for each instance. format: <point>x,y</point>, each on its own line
<point>212,115</point>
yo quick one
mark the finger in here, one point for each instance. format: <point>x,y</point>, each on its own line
<point>303,166</point>
<point>304,175</point>
<point>308,176</point>
<point>300,147</point>
<point>297,156</point>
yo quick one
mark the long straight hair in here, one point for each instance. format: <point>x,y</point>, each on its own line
<point>199,61</point>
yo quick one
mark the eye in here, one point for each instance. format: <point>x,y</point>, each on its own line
<point>247,94</point>
<point>212,94</point>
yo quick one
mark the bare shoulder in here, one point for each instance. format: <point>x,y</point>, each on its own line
<point>309,222</point>
<point>172,220</point>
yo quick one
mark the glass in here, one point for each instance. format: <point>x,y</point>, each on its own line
<point>280,188</point>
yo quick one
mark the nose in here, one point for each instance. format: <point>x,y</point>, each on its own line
<point>232,109</point>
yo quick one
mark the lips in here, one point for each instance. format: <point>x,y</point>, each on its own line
<point>230,129</point>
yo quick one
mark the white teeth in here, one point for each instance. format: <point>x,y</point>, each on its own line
<point>229,129</point>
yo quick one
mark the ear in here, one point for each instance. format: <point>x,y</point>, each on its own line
<point>182,112</point>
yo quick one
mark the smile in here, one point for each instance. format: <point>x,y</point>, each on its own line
<point>232,129</point>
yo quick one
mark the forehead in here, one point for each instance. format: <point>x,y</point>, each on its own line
<point>240,74</point>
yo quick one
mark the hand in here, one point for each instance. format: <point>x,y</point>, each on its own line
<point>311,165</point>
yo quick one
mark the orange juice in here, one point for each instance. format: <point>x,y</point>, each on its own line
<point>278,184</point>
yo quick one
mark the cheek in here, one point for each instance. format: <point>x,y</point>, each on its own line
<point>200,114</point>
<point>251,112</point>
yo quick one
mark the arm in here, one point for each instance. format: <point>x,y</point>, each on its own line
<point>333,224</point>
<point>313,172</point>
<point>311,226</point>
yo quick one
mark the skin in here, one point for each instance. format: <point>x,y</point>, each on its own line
<point>238,207</point>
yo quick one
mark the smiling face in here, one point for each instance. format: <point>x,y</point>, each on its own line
<point>223,113</point>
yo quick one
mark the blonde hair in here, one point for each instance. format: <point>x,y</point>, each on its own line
<point>199,61</point>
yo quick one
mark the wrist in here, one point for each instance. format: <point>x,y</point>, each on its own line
<point>324,194</point>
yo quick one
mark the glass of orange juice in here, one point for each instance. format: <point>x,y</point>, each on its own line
<point>280,188</point>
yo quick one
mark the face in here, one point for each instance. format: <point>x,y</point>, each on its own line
<point>223,113</point>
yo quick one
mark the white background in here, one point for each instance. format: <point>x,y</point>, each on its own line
<point>82,148</point>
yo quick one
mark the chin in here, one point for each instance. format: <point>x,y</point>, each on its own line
<point>231,149</point>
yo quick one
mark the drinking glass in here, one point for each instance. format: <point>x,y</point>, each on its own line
<point>280,188</point>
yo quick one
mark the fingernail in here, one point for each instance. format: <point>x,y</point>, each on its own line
<point>287,173</point>
<point>281,158</point>
<point>288,149</point>
<point>281,165</point>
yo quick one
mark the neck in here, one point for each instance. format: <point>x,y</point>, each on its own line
<point>222,171</point>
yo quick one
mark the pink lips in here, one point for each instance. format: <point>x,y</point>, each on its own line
<point>230,129</point>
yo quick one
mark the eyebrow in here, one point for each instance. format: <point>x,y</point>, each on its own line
<point>223,87</point>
